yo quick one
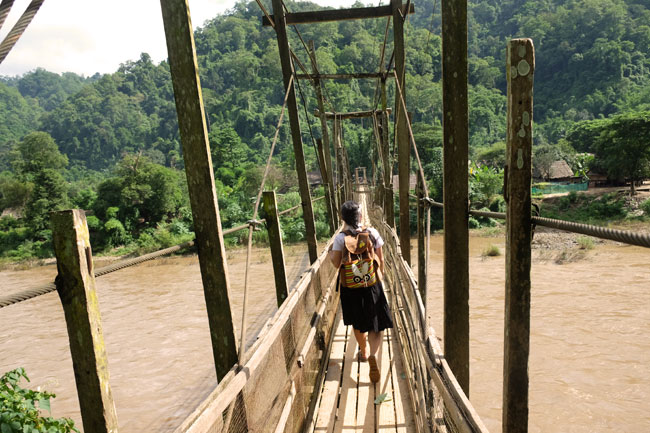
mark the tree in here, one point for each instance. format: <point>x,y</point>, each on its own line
<point>623,147</point>
<point>37,152</point>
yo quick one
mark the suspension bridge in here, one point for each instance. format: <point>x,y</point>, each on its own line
<point>300,374</point>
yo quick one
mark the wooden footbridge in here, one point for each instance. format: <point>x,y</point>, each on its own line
<point>301,374</point>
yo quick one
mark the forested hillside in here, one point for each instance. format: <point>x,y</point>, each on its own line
<point>112,141</point>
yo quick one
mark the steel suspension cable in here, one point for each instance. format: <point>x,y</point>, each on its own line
<point>624,236</point>
<point>253,222</point>
<point>19,28</point>
<point>5,8</point>
<point>50,287</point>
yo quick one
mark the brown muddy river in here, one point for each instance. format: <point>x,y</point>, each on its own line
<point>589,356</point>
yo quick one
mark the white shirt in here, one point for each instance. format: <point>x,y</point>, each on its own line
<point>339,240</point>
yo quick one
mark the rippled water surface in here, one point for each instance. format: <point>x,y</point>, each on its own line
<point>589,357</point>
<point>155,329</point>
<point>589,347</point>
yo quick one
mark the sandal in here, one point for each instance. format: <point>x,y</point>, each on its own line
<point>361,358</point>
<point>374,370</point>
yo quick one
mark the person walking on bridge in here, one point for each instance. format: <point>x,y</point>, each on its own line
<point>357,253</point>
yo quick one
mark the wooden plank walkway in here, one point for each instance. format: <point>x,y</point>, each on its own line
<point>347,400</point>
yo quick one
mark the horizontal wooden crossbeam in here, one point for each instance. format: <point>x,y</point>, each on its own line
<point>343,76</point>
<point>327,15</point>
<point>351,115</point>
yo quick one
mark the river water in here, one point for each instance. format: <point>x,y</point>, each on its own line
<point>589,357</point>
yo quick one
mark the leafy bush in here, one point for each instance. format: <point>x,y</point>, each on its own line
<point>115,233</point>
<point>20,408</point>
<point>645,206</point>
<point>322,230</point>
<point>491,251</point>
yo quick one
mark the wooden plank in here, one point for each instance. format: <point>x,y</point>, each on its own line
<point>323,16</point>
<point>520,69</point>
<point>346,413</point>
<point>455,190</point>
<point>275,239</point>
<point>326,413</point>
<point>200,181</point>
<point>75,284</point>
<point>386,422</point>
<point>365,399</point>
<point>292,107</point>
<point>404,419</point>
<point>350,115</point>
<point>402,144</point>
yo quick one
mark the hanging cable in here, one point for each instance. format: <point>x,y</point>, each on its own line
<point>253,223</point>
<point>412,139</point>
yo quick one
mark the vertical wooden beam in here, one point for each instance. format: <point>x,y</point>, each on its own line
<point>331,200</point>
<point>403,145</point>
<point>275,239</point>
<point>389,201</point>
<point>327,179</point>
<point>520,67</point>
<point>76,286</point>
<point>292,107</point>
<point>200,181</point>
<point>422,237</point>
<point>455,190</point>
<point>339,161</point>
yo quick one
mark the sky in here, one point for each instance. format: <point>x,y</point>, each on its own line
<point>89,36</point>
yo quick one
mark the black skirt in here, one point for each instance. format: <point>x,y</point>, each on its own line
<point>366,308</point>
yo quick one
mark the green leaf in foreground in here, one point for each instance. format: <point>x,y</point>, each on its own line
<point>381,398</point>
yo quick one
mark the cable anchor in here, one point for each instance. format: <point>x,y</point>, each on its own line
<point>254,224</point>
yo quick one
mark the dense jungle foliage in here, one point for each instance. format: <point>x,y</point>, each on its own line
<point>109,143</point>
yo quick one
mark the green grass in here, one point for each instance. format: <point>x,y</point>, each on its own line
<point>585,208</point>
<point>491,251</point>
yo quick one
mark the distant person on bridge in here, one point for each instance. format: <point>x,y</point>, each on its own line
<point>357,253</point>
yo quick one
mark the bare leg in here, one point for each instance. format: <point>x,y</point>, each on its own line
<point>361,339</point>
<point>374,338</point>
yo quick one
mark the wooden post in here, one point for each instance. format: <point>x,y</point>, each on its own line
<point>275,239</point>
<point>75,284</point>
<point>200,181</point>
<point>389,201</point>
<point>331,200</point>
<point>339,162</point>
<point>455,189</point>
<point>401,134</point>
<point>422,237</point>
<point>292,107</point>
<point>520,67</point>
<point>325,175</point>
